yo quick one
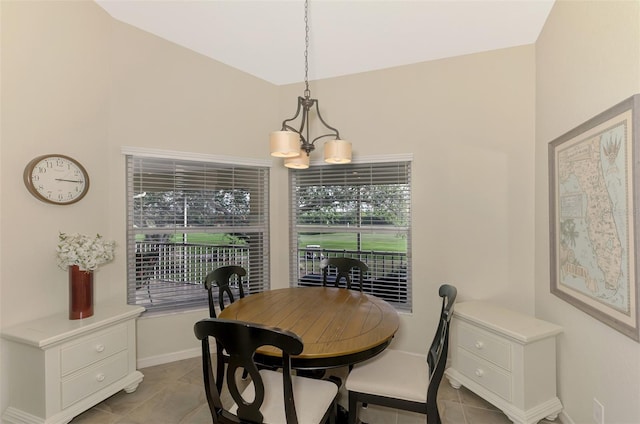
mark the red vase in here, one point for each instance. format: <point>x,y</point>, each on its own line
<point>80,293</point>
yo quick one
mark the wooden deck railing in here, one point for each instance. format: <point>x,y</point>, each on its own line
<point>164,269</point>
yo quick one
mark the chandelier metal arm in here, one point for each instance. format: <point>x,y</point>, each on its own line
<point>286,127</point>
<point>305,104</point>
<point>335,131</point>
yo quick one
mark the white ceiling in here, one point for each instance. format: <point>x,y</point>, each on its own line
<point>265,38</point>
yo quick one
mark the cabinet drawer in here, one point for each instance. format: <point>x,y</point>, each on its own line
<point>93,379</point>
<point>485,374</point>
<point>92,349</point>
<point>484,345</point>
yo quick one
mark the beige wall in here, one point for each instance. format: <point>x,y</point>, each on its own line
<point>588,59</point>
<point>55,101</point>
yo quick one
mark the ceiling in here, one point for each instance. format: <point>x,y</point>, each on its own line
<point>265,38</point>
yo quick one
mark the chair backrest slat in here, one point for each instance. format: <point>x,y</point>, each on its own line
<point>437,354</point>
<point>238,341</point>
<point>221,278</point>
<point>343,270</point>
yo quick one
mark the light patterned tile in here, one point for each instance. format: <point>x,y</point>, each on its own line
<point>467,397</point>
<point>169,406</point>
<point>484,416</point>
<point>171,371</point>
<point>407,417</point>
<point>201,415</point>
<point>122,402</point>
<point>96,416</point>
<point>127,420</point>
<point>446,392</point>
<point>451,412</point>
<point>193,376</point>
<point>375,414</point>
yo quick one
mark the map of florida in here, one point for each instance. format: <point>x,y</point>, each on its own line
<point>583,162</point>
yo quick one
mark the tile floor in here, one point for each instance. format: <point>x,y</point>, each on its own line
<point>173,393</point>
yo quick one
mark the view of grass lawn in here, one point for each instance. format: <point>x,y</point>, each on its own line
<point>348,241</point>
<point>331,241</point>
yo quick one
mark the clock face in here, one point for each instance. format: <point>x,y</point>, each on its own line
<point>56,179</point>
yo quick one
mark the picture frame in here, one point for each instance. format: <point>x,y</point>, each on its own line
<point>593,212</point>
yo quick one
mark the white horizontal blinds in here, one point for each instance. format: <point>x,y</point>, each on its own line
<point>358,210</point>
<point>188,217</point>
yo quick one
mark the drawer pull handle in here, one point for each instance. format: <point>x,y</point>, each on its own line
<point>479,345</point>
<point>479,372</point>
<point>100,377</point>
<point>100,348</point>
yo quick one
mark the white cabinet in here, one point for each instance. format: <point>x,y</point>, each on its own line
<point>507,358</point>
<point>59,368</point>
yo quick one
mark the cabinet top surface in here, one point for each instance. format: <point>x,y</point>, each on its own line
<point>521,327</point>
<point>47,331</point>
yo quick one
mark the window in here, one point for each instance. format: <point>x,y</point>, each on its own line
<point>360,210</point>
<point>188,216</point>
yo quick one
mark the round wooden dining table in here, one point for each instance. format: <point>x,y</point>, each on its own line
<point>338,326</point>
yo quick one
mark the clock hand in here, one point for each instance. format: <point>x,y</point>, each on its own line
<point>71,181</point>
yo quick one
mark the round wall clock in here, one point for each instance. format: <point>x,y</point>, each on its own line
<point>56,179</point>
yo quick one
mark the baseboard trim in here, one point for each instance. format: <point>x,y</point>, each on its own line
<point>167,357</point>
<point>564,418</point>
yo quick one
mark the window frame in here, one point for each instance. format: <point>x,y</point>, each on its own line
<point>377,284</point>
<point>254,255</point>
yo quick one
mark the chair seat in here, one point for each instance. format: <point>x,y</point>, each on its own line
<point>312,398</point>
<point>394,373</point>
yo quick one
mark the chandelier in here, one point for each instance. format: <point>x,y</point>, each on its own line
<point>293,141</point>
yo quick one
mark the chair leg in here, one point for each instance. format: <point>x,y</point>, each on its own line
<point>353,409</point>
<point>334,413</point>
<point>432,414</point>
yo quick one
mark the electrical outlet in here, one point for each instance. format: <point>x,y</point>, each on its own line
<point>598,412</point>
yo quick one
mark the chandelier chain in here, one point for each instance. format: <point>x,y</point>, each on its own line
<point>307,92</point>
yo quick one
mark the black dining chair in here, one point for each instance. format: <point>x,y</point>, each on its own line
<point>405,380</point>
<point>221,278</point>
<point>344,267</point>
<point>270,396</point>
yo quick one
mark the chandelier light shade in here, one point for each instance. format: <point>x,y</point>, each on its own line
<point>337,151</point>
<point>284,144</point>
<point>293,141</point>
<point>298,162</point>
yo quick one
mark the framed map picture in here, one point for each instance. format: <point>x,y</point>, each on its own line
<point>594,200</point>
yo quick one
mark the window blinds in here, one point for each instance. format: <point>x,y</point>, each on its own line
<point>360,210</point>
<point>187,217</point>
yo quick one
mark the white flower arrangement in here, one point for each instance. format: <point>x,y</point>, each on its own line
<point>86,252</point>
